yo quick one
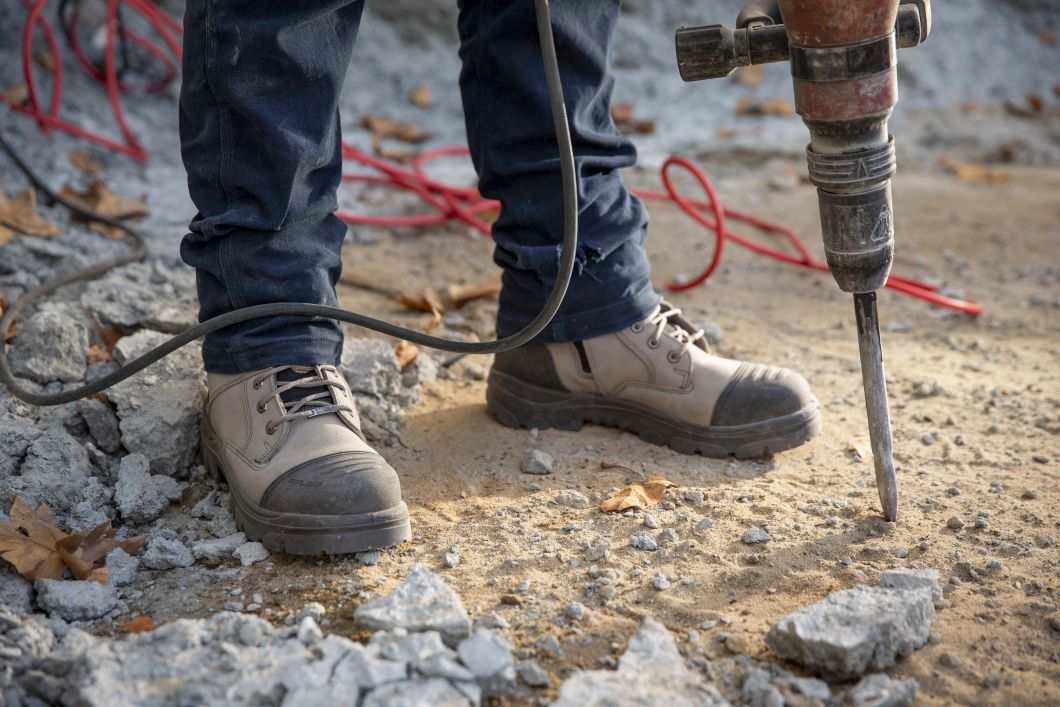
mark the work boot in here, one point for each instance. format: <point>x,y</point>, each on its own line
<point>303,479</point>
<point>658,379</point>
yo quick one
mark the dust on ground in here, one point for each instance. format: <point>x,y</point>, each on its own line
<point>975,414</point>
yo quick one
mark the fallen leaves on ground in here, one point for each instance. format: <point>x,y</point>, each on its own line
<point>100,198</point>
<point>82,160</point>
<point>749,105</point>
<point>625,119</point>
<point>18,214</point>
<point>103,351</point>
<point>641,494</point>
<point>462,294</point>
<point>421,96</point>
<point>139,624</point>
<point>425,301</point>
<point>15,95</point>
<point>750,75</point>
<point>38,548</point>
<point>972,172</point>
<point>860,448</point>
<point>384,127</point>
<point>12,330</point>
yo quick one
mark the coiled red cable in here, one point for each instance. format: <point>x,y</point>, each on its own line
<point>448,202</point>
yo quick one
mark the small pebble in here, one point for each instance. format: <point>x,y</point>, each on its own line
<point>755,535</point>
<point>574,610</point>
<point>955,523</point>
<point>949,660</point>
<point>643,540</point>
<point>650,521</point>
<point>537,462</point>
<point>660,582</point>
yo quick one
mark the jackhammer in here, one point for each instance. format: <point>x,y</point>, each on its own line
<point>845,75</point>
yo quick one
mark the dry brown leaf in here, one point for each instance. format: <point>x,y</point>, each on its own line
<point>624,118</point>
<point>6,234</point>
<point>421,96</point>
<point>81,160</point>
<point>1035,102</point>
<point>19,214</point>
<point>384,127</point>
<point>642,494</point>
<point>97,353</point>
<point>395,155</point>
<point>405,353</point>
<point>748,105</point>
<point>12,331</point>
<point>750,75</point>
<point>461,294</point>
<point>45,59</point>
<point>99,198</point>
<point>39,549</point>
<point>425,301</point>
<point>972,172</point>
<point>28,541</point>
<point>139,624</point>
<point>15,95</point>
<point>860,448</point>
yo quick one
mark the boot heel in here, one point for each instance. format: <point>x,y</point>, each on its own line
<point>515,403</point>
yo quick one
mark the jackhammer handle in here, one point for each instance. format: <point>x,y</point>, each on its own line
<point>714,51</point>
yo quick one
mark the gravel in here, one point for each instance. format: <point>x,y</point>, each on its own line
<point>56,471</point>
<point>755,535</point>
<point>489,658</point>
<point>880,690</point>
<point>16,592</point>
<point>122,568</point>
<point>423,602</point>
<point>217,549</point>
<point>102,424</point>
<point>532,674</point>
<point>643,540</point>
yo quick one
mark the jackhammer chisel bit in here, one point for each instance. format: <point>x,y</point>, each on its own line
<point>845,77</point>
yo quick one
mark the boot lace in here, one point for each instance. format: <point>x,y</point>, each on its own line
<point>660,318</point>
<point>318,399</point>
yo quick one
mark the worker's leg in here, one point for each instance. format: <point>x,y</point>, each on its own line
<point>259,133</point>
<point>513,145</point>
<point>615,355</point>
<point>260,136</point>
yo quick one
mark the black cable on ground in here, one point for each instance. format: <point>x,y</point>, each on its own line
<point>138,251</point>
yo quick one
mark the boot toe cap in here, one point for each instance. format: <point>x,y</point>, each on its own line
<point>343,483</point>
<point>758,393</point>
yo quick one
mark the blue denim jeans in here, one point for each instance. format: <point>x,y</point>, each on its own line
<point>261,143</point>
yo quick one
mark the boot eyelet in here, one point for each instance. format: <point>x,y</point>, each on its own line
<point>653,343</point>
<point>262,406</point>
<point>637,328</point>
<point>258,382</point>
<point>270,429</point>
<point>673,356</point>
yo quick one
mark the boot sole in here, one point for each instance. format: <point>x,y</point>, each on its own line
<point>516,403</point>
<point>308,534</point>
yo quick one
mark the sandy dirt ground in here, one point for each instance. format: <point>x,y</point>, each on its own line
<point>975,414</point>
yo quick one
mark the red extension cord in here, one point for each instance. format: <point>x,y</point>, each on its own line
<point>448,202</point>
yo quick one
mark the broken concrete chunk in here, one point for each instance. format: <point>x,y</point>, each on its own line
<point>651,652</point>
<point>164,553</point>
<point>400,645</point>
<point>249,553</point>
<point>879,690</point>
<point>75,600</point>
<point>53,345</point>
<point>851,632</point>
<point>218,548</point>
<point>16,592</point>
<point>56,471</point>
<point>423,602</point>
<point>144,294</point>
<point>755,535</point>
<point>908,578</point>
<point>140,496</point>
<point>158,408</point>
<point>121,567</point>
<point>417,693</point>
<point>102,424</point>
<point>370,367</point>
<point>489,658</point>
<point>16,435</point>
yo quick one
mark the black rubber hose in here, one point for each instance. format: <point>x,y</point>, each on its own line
<point>138,251</point>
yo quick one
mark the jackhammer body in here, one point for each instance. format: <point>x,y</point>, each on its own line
<point>845,77</point>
